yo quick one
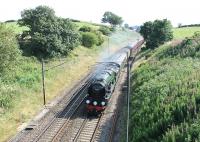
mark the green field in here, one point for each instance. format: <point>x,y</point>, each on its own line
<point>17,29</point>
<point>82,23</point>
<point>165,89</point>
<point>23,89</point>
<point>180,33</point>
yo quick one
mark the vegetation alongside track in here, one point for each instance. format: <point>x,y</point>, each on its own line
<point>165,90</point>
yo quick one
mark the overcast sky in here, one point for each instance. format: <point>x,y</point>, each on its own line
<point>133,12</point>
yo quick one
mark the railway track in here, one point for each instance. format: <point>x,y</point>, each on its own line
<point>92,129</point>
<point>55,127</point>
<point>34,132</point>
<point>89,129</point>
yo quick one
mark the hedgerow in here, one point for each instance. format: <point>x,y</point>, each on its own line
<point>166,95</point>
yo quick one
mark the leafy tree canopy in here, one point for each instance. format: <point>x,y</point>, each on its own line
<point>157,32</point>
<point>126,26</point>
<point>49,35</point>
<point>112,19</point>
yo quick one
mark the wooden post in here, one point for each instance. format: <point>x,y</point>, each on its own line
<point>43,83</point>
<point>108,46</point>
<point>128,95</point>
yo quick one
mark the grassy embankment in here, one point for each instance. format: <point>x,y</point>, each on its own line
<point>22,93</point>
<point>165,92</point>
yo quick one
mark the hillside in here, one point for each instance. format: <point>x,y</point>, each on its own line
<point>165,91</point>
<point>21,91</point>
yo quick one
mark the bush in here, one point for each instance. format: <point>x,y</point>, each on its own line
<point>9,49</point>
<point>99,37</point>
<point>112,29</point>
<point>85,29</point>
<point>104,30</point>
<point>89,39</point>
<point>7,93</point>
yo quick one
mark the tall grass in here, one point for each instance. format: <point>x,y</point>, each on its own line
<point>166,95</point>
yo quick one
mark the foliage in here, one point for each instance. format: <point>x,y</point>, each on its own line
<point>49,36</point>
<point>126,26</point>
<point>85,29</point>
<point>99,37</point>
<point>113,29</point>
<point>105,30</point>
<point>166,101</point>
<point>157,32</point>
<point>9,50</point>
<point>89,39</point>
<point>112,19</point>
<point>96,36</point>
<point>7,92</point>
<point>189,47</point>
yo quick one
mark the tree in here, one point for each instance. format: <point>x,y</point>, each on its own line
<point>50,36</point>
<point>126,26</point>
<point>9,49</point>
<point>157,32</point>
<point>112,19</point>
<point>179,25</point>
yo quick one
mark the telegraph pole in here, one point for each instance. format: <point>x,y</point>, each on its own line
<point>128,95</point>
<point>108,46</point>
<point>43,83</point>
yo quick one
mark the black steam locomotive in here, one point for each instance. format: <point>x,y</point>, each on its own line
<point>100,91</point>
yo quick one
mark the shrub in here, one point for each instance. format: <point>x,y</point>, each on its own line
<point>89,39</point>
<point>112,29</point>
<point>9,49</point>
<point>104,30</point>
<point>85,29</point>
<point>99,37</point>
<point>7,92</point>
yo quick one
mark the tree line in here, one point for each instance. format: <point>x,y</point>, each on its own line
<point>48,36</point>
